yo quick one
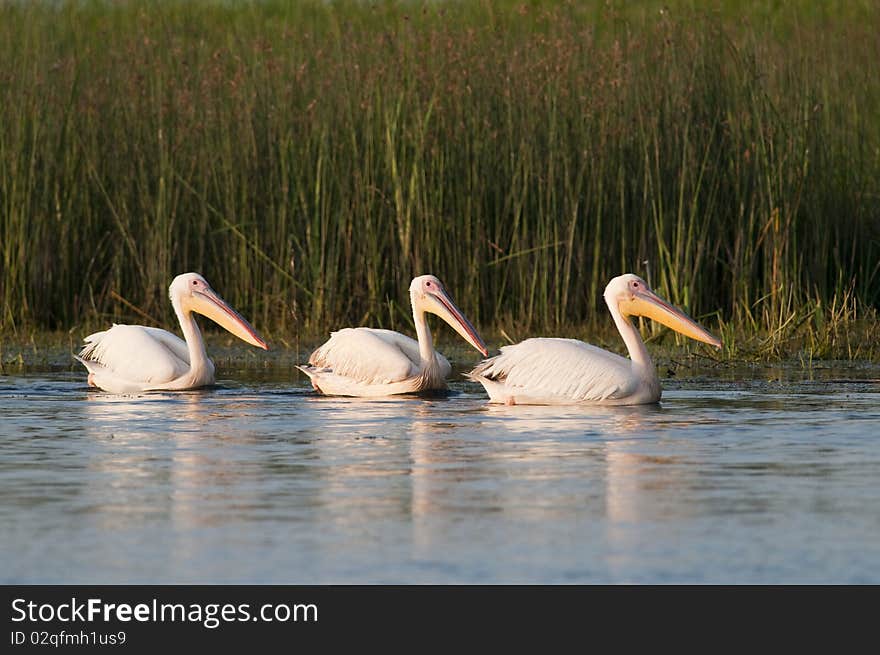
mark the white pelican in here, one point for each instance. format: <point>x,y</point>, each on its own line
<point>567,371</point>
<point>130,358</point>
<point>368,362</point>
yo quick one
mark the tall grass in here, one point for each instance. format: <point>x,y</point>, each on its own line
<point>309,158</point>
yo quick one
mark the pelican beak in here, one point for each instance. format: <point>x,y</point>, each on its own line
<point>443,307</point>
<point>209,304</point>
<point>647,303</point>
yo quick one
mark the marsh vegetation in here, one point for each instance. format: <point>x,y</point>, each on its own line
<point>309,158</point>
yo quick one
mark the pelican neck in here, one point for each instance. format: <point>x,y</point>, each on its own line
<point>198,356</point>
<point>638,353</point>
<point>423,334</point>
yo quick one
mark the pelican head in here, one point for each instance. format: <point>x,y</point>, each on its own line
<point>192,293</point>
<point>428,295</point>
<point>633,297</point>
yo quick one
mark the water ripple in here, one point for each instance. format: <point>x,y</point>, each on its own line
<point>746,479</point>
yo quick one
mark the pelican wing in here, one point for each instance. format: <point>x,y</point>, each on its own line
<point>368,355</point>
<point>558,368</point>
<point>171,341</point>
<point>136,354</point>
<point>410,348</point>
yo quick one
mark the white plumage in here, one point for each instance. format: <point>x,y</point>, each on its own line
<point>373,362</point>
<point>548,371</point>
<point>369,362</point>
<point>132,358</point>
<point>394,356</point>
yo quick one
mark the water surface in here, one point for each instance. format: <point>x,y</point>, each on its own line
<point>768,475</point>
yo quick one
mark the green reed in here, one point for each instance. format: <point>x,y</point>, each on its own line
<point>310,158</point>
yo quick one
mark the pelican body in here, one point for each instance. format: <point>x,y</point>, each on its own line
<point>132,358</point>
<point>368,362</point>
<point>548,371</point>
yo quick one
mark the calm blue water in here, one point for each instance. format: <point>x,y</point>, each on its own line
<point>736,477</point>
